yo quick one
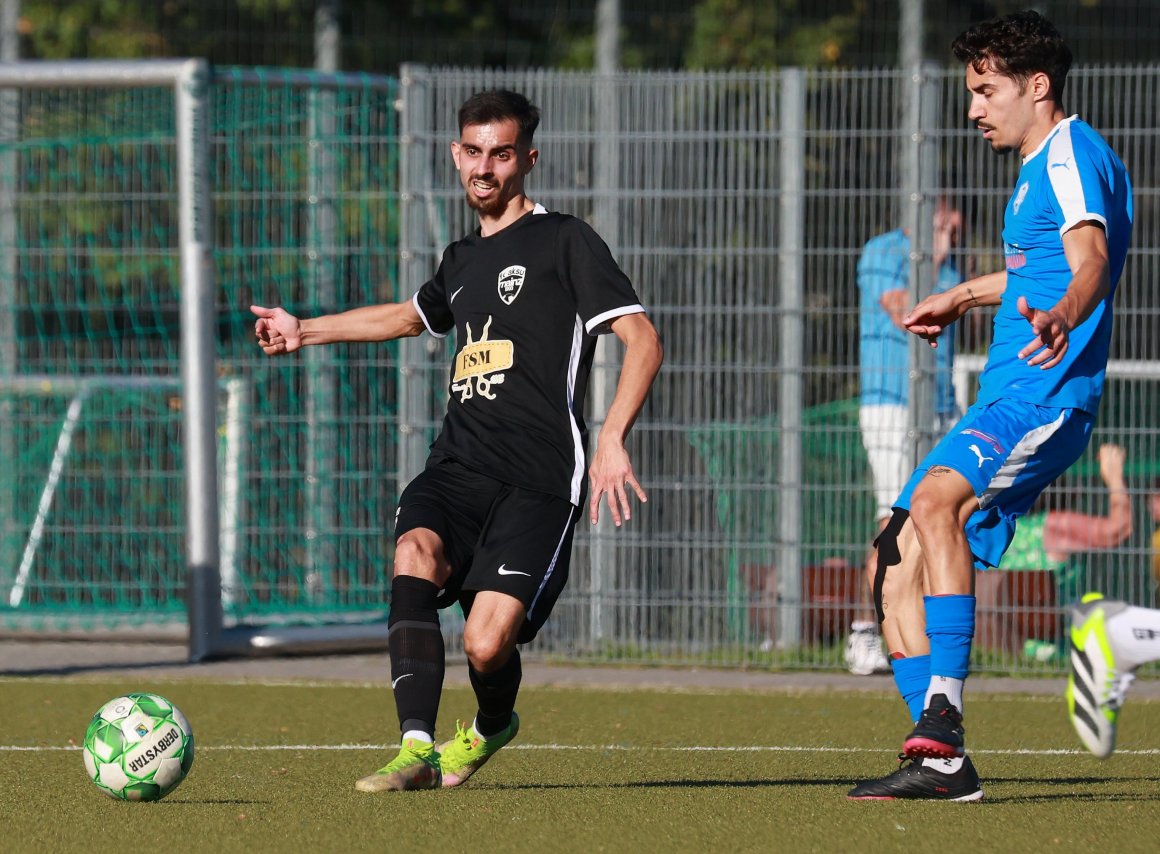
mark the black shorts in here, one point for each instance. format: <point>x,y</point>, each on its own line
<point>496,537</point>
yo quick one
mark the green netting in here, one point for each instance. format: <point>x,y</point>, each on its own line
<point>107,534</point>
<point>303,191</point>
<point>311,226</point>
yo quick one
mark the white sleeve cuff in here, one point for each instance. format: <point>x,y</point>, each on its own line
<point>1072,222</point>
<point>423,317</point>
<point>592,327</point>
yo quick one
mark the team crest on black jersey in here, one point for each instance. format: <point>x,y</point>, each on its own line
<point>511,281</point>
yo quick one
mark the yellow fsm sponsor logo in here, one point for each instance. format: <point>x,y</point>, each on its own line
<point>483,357</point>
<point>481,365</point>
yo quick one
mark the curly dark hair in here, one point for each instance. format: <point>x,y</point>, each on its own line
<point>497,105</point>
<point>1018,46</point>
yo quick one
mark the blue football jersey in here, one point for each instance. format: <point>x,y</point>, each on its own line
<point>1072,177</point>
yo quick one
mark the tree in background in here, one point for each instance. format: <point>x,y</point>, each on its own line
<point>741,34</point>
<point>378,35</point>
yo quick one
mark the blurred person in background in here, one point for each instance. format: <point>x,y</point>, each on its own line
<point>884,383</point>
<point>1047,539</point>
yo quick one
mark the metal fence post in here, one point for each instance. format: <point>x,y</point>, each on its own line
<point>922,152</point>
<point>9,184</point>
<point>606,221</point>
<point>321,376</point>
<point>791,243</point>
<point>416,398</point>
<point>198,360</point>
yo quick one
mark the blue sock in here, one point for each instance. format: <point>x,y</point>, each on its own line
<point>912,676</point>
<point>950,625</point>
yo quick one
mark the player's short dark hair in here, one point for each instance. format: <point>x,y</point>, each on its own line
<point>1018,46</point>
<point>497,105</point>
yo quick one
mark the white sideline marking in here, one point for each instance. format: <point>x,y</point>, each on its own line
<point>758,748</point>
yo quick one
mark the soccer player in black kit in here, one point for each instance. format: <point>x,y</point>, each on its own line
<point>489,521</point>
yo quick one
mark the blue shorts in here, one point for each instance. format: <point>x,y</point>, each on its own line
<point>1009,451</point>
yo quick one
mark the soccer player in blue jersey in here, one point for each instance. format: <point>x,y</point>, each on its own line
<point>1065,234</point>
<point>884,363</point>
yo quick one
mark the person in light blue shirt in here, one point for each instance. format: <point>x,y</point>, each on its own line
<point>884,374</point>
<point>1065,232</point>
<point>884,351</point>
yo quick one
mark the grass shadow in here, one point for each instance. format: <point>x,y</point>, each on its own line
<point>1068,791</point>
<point>80,669</point>
<point>671,784</point>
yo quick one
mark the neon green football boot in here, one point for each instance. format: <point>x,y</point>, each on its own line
<point>1096,682</point>
<point>465,754</point>
<point>416,767</point>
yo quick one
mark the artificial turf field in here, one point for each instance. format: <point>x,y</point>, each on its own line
<point>592,770</point>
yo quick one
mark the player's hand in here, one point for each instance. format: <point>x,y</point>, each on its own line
<point>277,330</point>
<point>930,318</point>
<point>1051,336</point>
<point>608,477</point>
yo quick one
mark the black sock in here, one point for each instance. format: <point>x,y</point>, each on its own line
<point>416,647</point>
<point>496,694</point>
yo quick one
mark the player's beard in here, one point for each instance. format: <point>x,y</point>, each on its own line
<point>492,206</point>
<point>998,147</point>
<point>486,207</point>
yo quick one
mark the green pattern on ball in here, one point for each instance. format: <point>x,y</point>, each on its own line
<point>136,755</point>
<point>104,740</point>
<point>152,705</point>
<point>187,758</point>
<point>143,792</point>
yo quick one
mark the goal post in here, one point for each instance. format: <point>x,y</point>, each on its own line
<point>209,489</point>
<point>188,79</point>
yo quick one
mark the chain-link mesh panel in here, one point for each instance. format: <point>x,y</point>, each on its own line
<point>91,491</point>
<point>325,199</point>
<point>305,208</point>
<point>94,495</point>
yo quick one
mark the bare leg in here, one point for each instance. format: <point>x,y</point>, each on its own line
<point>489,637</point>
<point>904,626</point>
<point>941,505</point>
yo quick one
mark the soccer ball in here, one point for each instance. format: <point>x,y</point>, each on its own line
<point>138,747</point>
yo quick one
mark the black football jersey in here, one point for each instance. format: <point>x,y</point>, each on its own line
<point>526,305</point>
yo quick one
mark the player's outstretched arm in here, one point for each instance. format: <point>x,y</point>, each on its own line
<point>279,332</point>
<point>931,317</point>
<point>1086,247</point>
<point>611,470</point>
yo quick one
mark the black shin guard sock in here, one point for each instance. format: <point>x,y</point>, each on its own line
<point>496,694</point>
<point>416,647</point>
<point>888,556</point>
